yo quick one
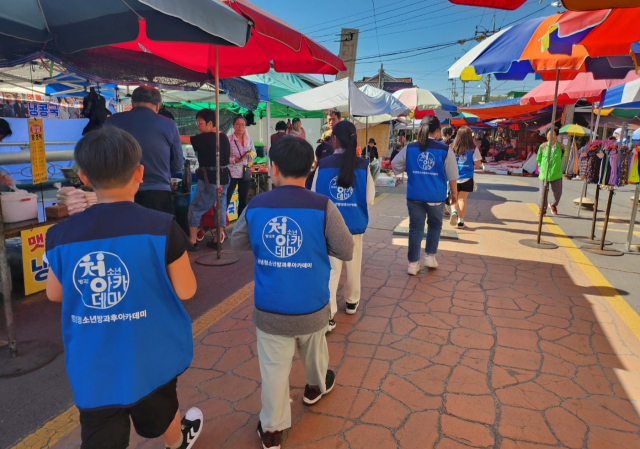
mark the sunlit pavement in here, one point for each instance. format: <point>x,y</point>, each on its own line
<point>501,346</point>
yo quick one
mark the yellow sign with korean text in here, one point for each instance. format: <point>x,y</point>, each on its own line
<point>34,265</point>
<point>38,157</point>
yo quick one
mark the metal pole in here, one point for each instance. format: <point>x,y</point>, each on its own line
<point>606,219</point>
<point>632,222</point>
<point>464,88</point>
<point>5,278</point>
<point>218,193</point>
<point>592,234</point>
<point>366,136</point>
<point>268,147</point>
<point>552,145</point>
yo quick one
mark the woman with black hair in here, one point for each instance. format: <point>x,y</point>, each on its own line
<point>429,165</point>
<point>345,178</point>
<point>281,130</point>
<point>447,135</point>
<point>243,152</point>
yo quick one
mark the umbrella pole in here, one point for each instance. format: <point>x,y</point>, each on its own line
<point>218,193</point>
<point>594,129</point>
<point>208,259</point>
<point>268,147</point>
<point>366,134</point>
<point>632,222</point>
<point>551,146</point>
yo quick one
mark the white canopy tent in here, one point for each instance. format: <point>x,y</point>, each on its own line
<point>345,96</point>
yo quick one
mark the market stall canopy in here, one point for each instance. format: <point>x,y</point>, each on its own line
<point>77,25</point>
<point>280,84</point>
<point>343,94</point>
<point>501,109</point>
<point>572,42</point>
<point>574,5</point>
<point>583,87</point>
<point>423,101</point>
<point>626,96</point>
<point>273,43</point>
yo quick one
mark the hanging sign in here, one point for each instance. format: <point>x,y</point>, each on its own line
<point>38,157</point>
<point>34,264</point>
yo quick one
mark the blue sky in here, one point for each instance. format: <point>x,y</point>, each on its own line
<point>402,25</point>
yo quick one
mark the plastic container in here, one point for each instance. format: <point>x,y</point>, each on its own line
<point>19,206</point>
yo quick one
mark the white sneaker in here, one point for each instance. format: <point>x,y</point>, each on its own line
<point>191,427</point>
<point>447,210</point>
<point>414,268</point>
<point>430,261</point>
<point>453,221</point>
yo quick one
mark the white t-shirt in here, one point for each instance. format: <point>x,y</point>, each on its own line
<point>476,157</point>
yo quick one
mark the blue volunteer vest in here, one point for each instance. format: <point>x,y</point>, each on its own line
<point>465,164</point>
<point>426,172</point>
<point>286,229</point>
<point>125,330</point>
<point>352,202</point>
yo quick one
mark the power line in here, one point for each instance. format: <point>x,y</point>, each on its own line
<point>390,18</point>
<point>392,6</point>
<point>373,4</point>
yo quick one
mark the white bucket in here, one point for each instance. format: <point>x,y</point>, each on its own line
<point>19,206</point>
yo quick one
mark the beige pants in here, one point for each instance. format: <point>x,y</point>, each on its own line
<point>354,266</point>
<point>275,355</point>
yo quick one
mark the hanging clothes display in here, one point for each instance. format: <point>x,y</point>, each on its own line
<point>634,176</point>
<point>582,163</point>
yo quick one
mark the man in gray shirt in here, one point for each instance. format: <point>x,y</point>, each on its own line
<point>159,139</point>
<point>292,233</point>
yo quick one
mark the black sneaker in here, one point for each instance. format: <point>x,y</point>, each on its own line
<point>460,224</point>
<point>351,308</point>
<point>193,248</point>
<point>191,427</point>
<point>313,394</point>
<point>270,440</point>
<point>332,324</point>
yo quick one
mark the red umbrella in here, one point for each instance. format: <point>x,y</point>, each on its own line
<point>272,41</point>
<point>573,5</point>
<point>583,87</point>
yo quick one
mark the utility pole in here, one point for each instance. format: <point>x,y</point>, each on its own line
<point>454,92</point>
<point>380,83</point>
<point>487,92</point>
<point>464,87</point>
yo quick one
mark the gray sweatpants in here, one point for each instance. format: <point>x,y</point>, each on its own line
<point>275,355</point>
<point>555,189</point>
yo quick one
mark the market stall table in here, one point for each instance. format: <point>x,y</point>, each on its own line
<point>33,354</point>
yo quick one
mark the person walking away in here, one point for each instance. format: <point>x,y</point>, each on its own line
<point>292,233</point>
<point>429,165</point>
<point>120,271</point>
<point>447,135</point>
<point>468,158</point>
<point>333,117</point>
<point>281,130</point>
<point>296,129</point>
<point>371,151</point>
<point>204,144</point>
<point>346,180</point>
<point>243,152</point>
<point>555,173</point>
<point>161,150</point>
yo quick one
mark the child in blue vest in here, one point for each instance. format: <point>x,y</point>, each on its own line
<point>430,166</point>
<point>292,233</point>
<point>468,158</point>
<point>120,270</point>
<point>346,180</point>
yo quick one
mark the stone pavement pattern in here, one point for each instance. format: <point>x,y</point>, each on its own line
<point>501,346</point>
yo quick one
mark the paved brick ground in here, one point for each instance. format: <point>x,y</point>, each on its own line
<point>501,346</point>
